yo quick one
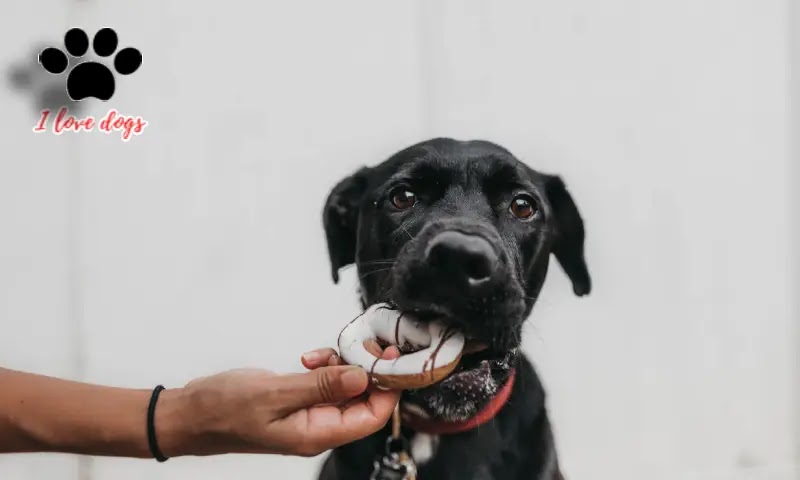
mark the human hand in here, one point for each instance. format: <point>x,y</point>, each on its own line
<point>257,411</point>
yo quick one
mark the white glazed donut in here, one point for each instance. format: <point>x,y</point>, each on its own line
<point>436,348</point>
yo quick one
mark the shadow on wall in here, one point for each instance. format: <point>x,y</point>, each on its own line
<point>28,78</point>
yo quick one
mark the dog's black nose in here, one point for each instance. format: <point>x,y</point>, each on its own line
<point>460,257</point>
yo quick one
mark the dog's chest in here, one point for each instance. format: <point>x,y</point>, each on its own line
<point>435,458</point>
<point>423,447</point>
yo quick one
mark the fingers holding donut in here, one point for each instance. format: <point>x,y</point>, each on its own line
<point>390,353</point>
<point>431,349</point>
<point>327,357</point>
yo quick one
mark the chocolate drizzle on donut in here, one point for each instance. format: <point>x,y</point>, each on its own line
<point>448,333</point>
<point>381,307</point>
<point>397,330</point>
<point>339,338</point>
<point>372,369</point>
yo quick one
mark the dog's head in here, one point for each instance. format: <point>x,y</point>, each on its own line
<point>461,231</point>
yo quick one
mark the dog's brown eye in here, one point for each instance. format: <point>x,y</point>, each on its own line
<point>402,198</point>
<point>523,207</point>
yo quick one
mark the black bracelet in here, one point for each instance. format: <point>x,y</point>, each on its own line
<point>151,427</point>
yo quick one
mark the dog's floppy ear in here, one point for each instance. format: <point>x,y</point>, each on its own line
<point>340,219</point>
<point>569,235</point>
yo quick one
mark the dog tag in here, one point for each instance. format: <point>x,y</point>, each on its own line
<point>390,469</point>
<point>396,463</point>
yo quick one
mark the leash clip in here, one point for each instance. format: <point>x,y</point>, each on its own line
<point>396,463</point>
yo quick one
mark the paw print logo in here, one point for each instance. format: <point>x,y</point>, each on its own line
<point>89,78</point>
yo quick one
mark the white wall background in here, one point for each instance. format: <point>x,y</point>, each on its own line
<point>198,246</point>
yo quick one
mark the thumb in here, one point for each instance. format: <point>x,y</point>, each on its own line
<point>323,385</point>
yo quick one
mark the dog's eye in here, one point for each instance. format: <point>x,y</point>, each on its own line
<point>402,198</point>
<point>523,207</point>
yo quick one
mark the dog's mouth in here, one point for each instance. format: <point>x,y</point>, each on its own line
<point>474,346</point>
<point>487,361</point>
<point>479,365</point>
<point>479,375</point>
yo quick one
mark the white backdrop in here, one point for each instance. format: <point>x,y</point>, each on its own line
<point>198,246</point>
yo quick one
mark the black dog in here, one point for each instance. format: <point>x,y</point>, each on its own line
<point>461,231</point>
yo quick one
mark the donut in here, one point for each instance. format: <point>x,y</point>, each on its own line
<point>429,350</point>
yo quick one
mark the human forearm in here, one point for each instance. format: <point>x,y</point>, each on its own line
<point>39,413</point>
<point>239,411</point>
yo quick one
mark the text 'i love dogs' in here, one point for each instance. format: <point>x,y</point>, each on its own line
<point>111,122</point>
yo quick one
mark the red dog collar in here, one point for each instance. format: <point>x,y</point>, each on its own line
<point>435,427</point>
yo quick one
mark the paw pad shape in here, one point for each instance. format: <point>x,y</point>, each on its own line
<point>89,78</point>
